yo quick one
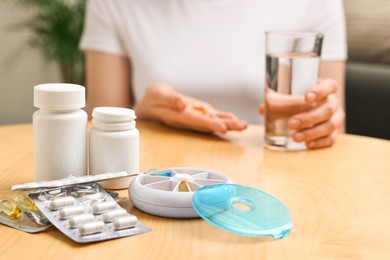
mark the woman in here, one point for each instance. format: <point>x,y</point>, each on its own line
<point>199,64</point>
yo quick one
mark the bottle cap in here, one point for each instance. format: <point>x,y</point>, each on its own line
<point>113,118</point>
<point>61,96</point>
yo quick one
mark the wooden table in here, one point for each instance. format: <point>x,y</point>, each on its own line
<point>339,199</point>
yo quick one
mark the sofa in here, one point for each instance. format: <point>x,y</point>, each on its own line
<point>368,68</point>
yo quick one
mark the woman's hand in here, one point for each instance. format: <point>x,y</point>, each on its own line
<point>320,124</point>
<point>162,103</point>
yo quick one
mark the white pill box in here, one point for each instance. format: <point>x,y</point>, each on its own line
<point>87,213</point>
<point>169,192</point>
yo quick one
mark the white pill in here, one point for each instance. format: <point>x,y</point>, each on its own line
<point>100,207</point>
<point>66,212</point>
<point>111,215</point>
<point>61,202</point>
<point>91,228</point>
<point>125,222</point>
<point>77,220</point>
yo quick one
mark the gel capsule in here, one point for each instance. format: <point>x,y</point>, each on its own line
<point>66,212</point>
<point>10,208</point>
<point>25,203</point>
<point>111,215</point>
<point>91,228</point>
<point>184,186</point>
<point>98,208</point>
<point>75,221</point>
<point>125,222</point>
<point>61,202</point>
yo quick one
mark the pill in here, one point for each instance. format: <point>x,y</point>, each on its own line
<point>61,202</point>
<point>201,109</point>
<point>125,222</point>
<point>10,208</point>
<point>75,221</point>
<point>111,215</point>
<point>184,186</point>
<point>91,228</point>
<point>66,212</point>
<point>25,203</point>
<point>98,208</point>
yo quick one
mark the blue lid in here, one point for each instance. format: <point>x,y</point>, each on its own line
<point>242,210</point>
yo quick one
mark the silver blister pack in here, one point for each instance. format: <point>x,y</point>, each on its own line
<point>87,213</point>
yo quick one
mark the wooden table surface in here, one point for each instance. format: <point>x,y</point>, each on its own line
<point>339,199</point>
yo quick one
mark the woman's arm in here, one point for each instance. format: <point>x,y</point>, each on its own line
<point>109,84</point>
<point>108,80</point>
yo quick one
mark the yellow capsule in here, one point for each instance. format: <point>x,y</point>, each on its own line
<point>25,203</point>
<point>10,208</point>
<point>184,186</point>
<point>201,109</point>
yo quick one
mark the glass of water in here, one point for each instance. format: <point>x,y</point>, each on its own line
<point>292,66</point>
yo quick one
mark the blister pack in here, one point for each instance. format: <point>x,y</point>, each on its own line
<point>87,213</point>
<point>18,211</point>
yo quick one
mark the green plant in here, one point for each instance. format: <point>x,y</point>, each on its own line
<point>56,27</point>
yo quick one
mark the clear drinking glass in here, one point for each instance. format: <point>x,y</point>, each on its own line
<point>292,66</point>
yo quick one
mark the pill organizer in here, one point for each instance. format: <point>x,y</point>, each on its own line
<point>195,192</point>
<point>168,193</point>
<point>86,213</point>
<point>72,180</point>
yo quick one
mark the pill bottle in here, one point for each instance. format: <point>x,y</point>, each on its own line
<point>60,131</point>
<point>113,144</point>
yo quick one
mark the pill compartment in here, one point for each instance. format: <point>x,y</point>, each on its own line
<point>87,213</point>
<point>168,193</point>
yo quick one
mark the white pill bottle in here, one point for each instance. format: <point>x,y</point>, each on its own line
<point>60,131</point>
<point>114,144</point>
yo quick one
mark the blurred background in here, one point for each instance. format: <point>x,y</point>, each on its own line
<point>38,44</point>
<point>24,63</point>
<point>21,67</point>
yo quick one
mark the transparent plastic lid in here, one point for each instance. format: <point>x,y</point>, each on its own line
<point>242,210</point>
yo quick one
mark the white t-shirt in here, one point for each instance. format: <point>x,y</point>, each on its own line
<point>212,50</point>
